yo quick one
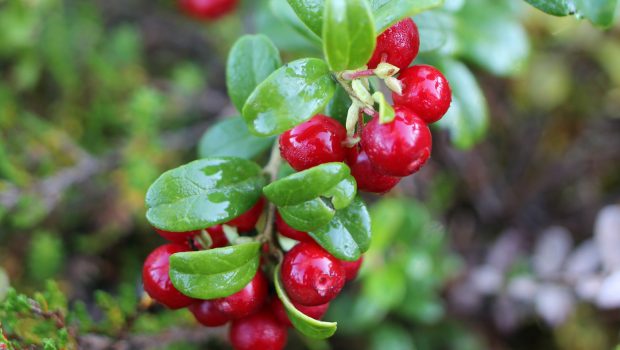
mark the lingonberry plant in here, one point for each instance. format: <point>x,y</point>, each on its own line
<point>226,216</point>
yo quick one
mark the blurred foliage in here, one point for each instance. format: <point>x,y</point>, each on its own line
<point>98,97</point>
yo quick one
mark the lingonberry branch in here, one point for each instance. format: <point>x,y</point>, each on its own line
<point>351,75</point>
<point>268,233</point>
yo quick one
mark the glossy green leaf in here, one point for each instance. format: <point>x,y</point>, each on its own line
<point>251,60</point>
<point>347,236</point>
<point>311,13</point>
<point>436,30</point>
<point>313,214</point>
<point>348,34</point>
<point>289,96</point>
<point>388,12</point>
<point>283,10</point>
<point>599,12</point>
<point>214,273</point>
<point>308,215</point>
<point>483,28</point>
<point>304,324</point>
<point>231,137</point>
<point>203,193</point>
<point>468,117</point>
<point>343,193</point>
<point>306,185</point>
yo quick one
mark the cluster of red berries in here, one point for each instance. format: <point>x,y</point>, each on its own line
<point>207,9</point>
<point>310,276</point>
<point>387,151</point>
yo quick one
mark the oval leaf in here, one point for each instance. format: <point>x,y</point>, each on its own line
<point>599,12</point>
<point>231,137</point>
<point>343,193</point>
<point>338,106</point>
<point>306,185</point>
<point>289,96</point>
<point>214,273</point>
<point>308,215</point>
<point>388,12</point>
<point>283,10</point>
<point>203,193</point>
<point>306,325</point>
<point>310,12</point>
<point>348,34</point>
<point>495,29</point>
<point>251,60</point>
<point>347,236</point>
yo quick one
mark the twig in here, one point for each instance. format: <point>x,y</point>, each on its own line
<point>268,233</point>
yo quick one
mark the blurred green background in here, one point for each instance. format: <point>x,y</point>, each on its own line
<point>509,239</point>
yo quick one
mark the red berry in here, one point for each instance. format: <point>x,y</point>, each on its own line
<point>425,91</point>
<point>351,268</point>
<point>287,231</point>
<point>310,275</point>
<point>207,9</point>
<point>400,147</point>
<point>156,280</point>
<point>317,141</point>
<point>207,314</point>
<point>259,331</point>
<point>315,312</point>
<point>246,301</point>
<point>367,177</point>
<point>247,221</point>
<point>177,237</point>
<point>399,44</point>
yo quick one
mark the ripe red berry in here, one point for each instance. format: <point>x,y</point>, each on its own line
<point>246,301</point>
<point>399,45</point>
<point>315,312</point>
<point>247,221</point>
<point>310,275</point>
<point>259,331</point>
<point>425,91</point>
<point>400,147</point>
<point>207,314</point>
<point>177,237</point>
<point>317,141</point>
<point>351,268</point>
<point>287,231</point>
<point>367,177</point>
<point>207,9</point>
<point>156,280</point>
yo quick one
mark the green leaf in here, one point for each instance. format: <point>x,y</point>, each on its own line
<point>313,214</point>
<point>214,273</point>
<point>251,60</point>
<point>306,185</point>
<point>599,12</point>
<point>283,10</point>
<point>348,34</point>
<point>483,28</point>
<point>347,236</point>
<point>386,286</point>
<point>339,105</point>
<point>203,193</point>
<point>306,325</point>
<point>308,215</point>
<point>231,137</point>
<point>289,96</point>
<point>388,12</point>
<point>310,12</point>
<point>468,117</point>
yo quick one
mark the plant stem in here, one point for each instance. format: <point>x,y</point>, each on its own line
<point>345,85</point>
<point>268,233</point>
<point>358,74</point>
